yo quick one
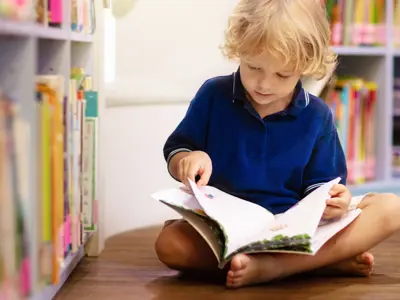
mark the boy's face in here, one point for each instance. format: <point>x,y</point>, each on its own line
<point>266,81</point>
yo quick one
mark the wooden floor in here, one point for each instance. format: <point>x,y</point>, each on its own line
<point>129,269</point>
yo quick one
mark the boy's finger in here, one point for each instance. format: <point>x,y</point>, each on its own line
<point>205,177</point>
<point>192,171</point>
<point>181,172</point>
<point>187,174</point>
<point>336,202</point>
<point>337,189</point>
<point>331,213</point>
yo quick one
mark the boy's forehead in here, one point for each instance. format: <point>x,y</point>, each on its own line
<point>268,61</point>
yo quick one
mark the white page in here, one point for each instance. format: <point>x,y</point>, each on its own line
<point>203,229</point>
<point>240,218</point>
<point>305,217</point>
<point>301,219</point>
<point>328,230</point>
<point>178,197</point>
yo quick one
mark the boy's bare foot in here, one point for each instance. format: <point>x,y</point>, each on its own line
<point>361,265</point>
<point>249,270</point>
<point>254,269</point>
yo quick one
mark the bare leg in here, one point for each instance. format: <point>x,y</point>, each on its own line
<point>379,219</point>
<point>180,247</point>
<point>360,265</point>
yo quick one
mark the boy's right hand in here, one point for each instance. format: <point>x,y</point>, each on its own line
<point>193,164</point>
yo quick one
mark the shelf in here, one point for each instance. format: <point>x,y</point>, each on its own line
<point>79,37</point>
<point>390,186</point>
<point>58,58</point>
<point>28,29</point>
<point>70,263</point>
<point>355,51</point>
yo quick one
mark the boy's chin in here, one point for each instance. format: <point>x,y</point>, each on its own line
<point>264,100</point>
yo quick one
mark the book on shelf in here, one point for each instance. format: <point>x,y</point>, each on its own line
<point>231,225</point>
<point>353,104</point>
<point>52,13</point>
<point>396,93</point>
<point>357,22</point>
<point>83,16</point>
<point>49,12</point>
<point>14,252</point>
<point>396,162</point>
<point>396,23</point>
<point>396,147</point>
<point>66,153</point>
<point>19,10</point>
<point>396,125</point>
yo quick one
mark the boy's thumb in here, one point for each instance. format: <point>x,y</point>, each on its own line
<point>205,177</point>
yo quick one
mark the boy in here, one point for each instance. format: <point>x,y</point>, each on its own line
<point>258,135</point>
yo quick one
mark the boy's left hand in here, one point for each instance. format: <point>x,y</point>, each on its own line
<point>339,202</point>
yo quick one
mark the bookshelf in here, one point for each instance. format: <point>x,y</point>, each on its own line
<point>368,49</point>
<point>49,117</point>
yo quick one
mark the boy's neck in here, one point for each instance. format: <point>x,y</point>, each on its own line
<point>271,108</point>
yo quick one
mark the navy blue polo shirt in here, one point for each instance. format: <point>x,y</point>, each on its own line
<point>273,161</point>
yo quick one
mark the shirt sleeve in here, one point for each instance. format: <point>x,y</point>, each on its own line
<point>327,161</point>
<point>191,132</point>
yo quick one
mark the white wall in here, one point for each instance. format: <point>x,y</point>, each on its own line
<point>135,166</point>
<point>165,49</point>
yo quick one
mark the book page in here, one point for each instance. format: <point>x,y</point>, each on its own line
<point>238,218</point>
<point>305,217</point>
<point>296,226</point>
<point>203,229</point>
<point>179,197</point>
<point>328,230</point>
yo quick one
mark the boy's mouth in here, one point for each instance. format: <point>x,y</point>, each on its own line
<point>263,94</point>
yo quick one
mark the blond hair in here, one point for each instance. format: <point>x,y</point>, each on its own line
<point>296,31</point>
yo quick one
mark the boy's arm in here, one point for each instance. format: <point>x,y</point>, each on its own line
<point>191,132</point>
<point>327,162</point>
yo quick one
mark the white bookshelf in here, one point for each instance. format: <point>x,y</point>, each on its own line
<point>28,49</point>
<point>377,64</point>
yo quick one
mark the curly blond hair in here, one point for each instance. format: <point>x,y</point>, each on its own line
<point>296,31</point>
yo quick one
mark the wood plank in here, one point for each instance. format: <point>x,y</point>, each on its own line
<point>129,269</point>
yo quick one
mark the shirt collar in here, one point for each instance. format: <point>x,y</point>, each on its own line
<point>300,99</point>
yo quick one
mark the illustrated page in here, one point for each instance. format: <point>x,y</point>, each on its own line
<point>239,218</point>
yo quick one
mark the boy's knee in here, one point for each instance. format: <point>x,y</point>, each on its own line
<point>390,201</point>
<point>170,248</point>
<point>384,200</point>
<point>393,202</point>
<point>389,205</point>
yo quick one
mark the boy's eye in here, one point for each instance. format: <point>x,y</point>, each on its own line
<point>253,68</point>
<point>283,76</point>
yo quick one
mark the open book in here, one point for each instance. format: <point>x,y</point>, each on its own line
<point>231,225</point>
